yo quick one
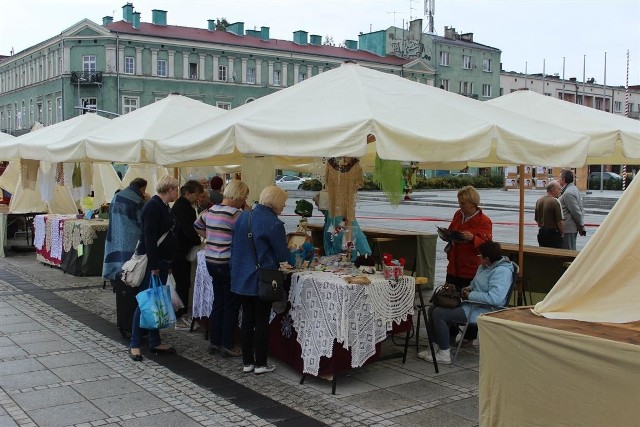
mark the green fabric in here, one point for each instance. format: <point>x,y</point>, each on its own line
<point>76,177</point>
<point>388,175</point>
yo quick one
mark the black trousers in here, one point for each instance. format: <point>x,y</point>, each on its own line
<point>255,330</point>
<point>181,269</point>
<point>549,238</point>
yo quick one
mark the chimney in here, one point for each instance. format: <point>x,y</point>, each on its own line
<point>351,44</point>
<point>449,33</point>
<point>106,20</point>
<point>315,40</point>
<point>236,28</point>
<point>211,24</point>
<point>264,34</point>
<point>127,12</point>
<point>300,37</point>
<point>468,37</point>
<point>159,17</point>
<point>136,20</point>
<point>253,33</point>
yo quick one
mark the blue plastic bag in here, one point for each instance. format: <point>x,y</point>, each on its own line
<point>156,310</point>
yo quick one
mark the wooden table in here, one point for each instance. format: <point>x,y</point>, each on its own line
<point>542,266</point>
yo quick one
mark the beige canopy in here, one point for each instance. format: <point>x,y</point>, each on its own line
<point>614,139</point>
<point>333,114</point>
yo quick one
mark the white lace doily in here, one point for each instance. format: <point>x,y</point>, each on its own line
<point>324,309</point>
<point>39,231</point>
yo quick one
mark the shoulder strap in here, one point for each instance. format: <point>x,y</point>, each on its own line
<point>162,238</point>
<point>253,245</point>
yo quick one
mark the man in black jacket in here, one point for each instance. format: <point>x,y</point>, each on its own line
<point>185,213</point>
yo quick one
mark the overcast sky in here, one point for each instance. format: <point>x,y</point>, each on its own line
<point>527,31</point>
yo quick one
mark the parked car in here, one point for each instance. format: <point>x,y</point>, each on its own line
<point>605,176</point>
<point>460,174</point>
<point>289,182</point>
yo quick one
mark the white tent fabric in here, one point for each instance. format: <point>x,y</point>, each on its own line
<point>10,176</point>
<point>614,139</point>
<point>30,201</point>
<point>41,144</point>
<point>5,138</point>
<point>105,183</point>
<point>151,173</point>
<point>603,283</point>
<point>334,112</point>
<point>132,138</point>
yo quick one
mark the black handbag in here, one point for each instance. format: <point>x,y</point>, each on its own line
<point>446,296</point>
<point>270,281</point>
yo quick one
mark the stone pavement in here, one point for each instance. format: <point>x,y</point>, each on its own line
<point>64,363</point>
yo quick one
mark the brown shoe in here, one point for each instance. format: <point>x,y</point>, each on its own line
<point>235,352</point>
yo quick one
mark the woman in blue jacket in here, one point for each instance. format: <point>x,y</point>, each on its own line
<point>490,285</point>
<point>270,241</point>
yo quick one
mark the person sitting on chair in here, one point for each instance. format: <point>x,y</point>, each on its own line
<point>490,286</point>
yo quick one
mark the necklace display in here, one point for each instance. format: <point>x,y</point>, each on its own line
<point>342,166</point>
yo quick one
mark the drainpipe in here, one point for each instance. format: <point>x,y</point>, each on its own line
<point>117,73</point>
<point>61,80</point>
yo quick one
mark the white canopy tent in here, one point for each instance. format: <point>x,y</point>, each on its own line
<point>335,112</point>
<point>133,137</point>
<point>614,139</point>
<point>40,144</point>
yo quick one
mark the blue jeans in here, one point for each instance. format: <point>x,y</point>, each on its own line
<point>136,330</point>
<point>224,313</point>
<point>438,323</point>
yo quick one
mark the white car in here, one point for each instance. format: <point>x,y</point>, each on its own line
<point>289,182</point>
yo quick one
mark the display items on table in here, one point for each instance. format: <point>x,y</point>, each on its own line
<point>393,268</point>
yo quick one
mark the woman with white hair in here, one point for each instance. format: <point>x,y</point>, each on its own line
<point>269,237</point>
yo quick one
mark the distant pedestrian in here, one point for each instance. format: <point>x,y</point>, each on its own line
<point>572,210</point>
<point>548,215</point>
<point>216,196</point>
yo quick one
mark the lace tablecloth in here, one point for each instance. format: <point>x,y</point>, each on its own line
<point>202,289</point>
<point>324,309</point>
<point>81,231</point>
<point>49,236</point>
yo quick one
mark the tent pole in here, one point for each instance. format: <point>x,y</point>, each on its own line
<point>521,228</point>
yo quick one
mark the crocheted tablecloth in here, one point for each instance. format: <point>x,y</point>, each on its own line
<point>81,231</point>
<point>324,309</point>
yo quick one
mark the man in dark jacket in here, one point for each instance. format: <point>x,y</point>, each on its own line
<point>184,211</point>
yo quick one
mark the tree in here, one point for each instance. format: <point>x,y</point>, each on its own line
<point>221,24</point>
<point>328,41</point>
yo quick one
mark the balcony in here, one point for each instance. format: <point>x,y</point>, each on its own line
<point>86,77</point>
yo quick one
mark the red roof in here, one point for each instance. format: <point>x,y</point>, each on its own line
<point>226,38</point>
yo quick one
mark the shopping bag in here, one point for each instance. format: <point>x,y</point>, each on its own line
<point>156,310</point>
<point>175,298</point>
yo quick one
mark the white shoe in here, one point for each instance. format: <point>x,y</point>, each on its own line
<point>263,369</point>
<point>248,368</point>
<point>183,324</point>
<point>423,354</point>
<point>442,356</point>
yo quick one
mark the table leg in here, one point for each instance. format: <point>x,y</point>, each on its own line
<point>433,353</point>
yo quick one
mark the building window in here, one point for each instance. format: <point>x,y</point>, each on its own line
<point>129,104</point>
<point>486,91</point>
<point>486,65</point>
<point>39,112</point>
<point>617,106</point>
<point>31,112</point>
<point>251,76</point>
<point>129,65</point>
<point>49,113</point>
<point>302,77</point>
<point>162,67</point>
<point>222,73</point>
<point>223,105</point>
<point>193,71</point>
<point>598,103</point>
<point>444,58</point>
<point>58,110</point>
<point>89,63</point>
<point>444,84</point>
<point>466,88</point>
<point>89,105</point>
<point>466,62</point>
<point>276,78</point>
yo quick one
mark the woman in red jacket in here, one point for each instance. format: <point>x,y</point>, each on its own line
<point>475,228</point>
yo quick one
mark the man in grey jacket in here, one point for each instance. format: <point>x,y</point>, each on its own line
<point>572,210</point>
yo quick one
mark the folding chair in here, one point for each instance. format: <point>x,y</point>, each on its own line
<point>478,305</point>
